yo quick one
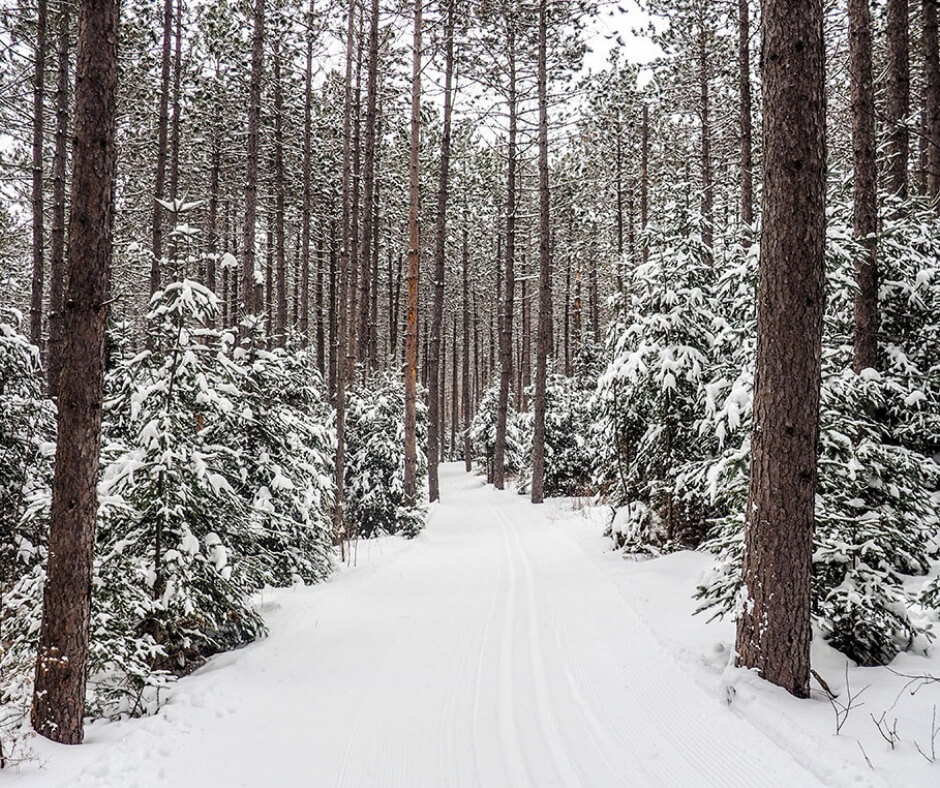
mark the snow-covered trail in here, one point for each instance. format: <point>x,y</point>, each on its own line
<point>492,651</point>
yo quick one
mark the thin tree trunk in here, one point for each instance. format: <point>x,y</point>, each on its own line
<point>368,202</point>
<point>318,305</point>
<point>354,261</point>
<point>773,629</point>
<point>162,135</point>
<point>454,391</point>
<point>898,95</point>
<point>175,134</point>
<point>339,526</point>
<point>708,185</point>
<point>435,420</point>
<point>305,220</point>
<point>505,327</point>
<point>865,184</point>
<point>280,325</point>
<point>644,178</point>
<point>59,688</point>
<point>932,91</point>
<point>57,247</point>
<point>39,97</point>
<point>214,178</point>
<point>333,321</point>
<point>465,371</point>
<point>744,97</point>
<point>248,305</point>
<point>545,268</point>
<point>410,496</point>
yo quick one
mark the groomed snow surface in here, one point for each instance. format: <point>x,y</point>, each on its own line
<point>506,647</point>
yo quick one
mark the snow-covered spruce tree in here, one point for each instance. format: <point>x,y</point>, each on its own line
<point>483,435</point>
<point>282,430</point>
<point>172,581</point>
<point>876,506</point>
<point>27,435</point>
<point>660,343</point>
<point>374,492</point>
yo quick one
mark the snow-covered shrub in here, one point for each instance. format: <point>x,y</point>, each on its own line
<point>483,435</point>
<point>375,469</point>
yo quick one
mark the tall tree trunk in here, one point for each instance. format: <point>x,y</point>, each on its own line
<point>435,420</point>
<point>618,157</point>
<point>368,191</point>
<point>932,91</point>
<point>177,273</point>
<point>465,370</point>
<point>39,97</point>
<point>318,305</point>
<point>347,239</point>
<point>865,185</point>
<point>57,246</point>
<point>708,185</point>
<point>744,97</point>
<point>354,261</point>
<point>280,325</point>
<point>545,268</point>
<point>454,390</point>
<point>332,322</point>
<point>773,630</point>
<point>305,219</point>
<point>644,178</point>
<point>898,98</point>
<point>59,690</point>
<point>505,323</point>
<point>414,239</point>
<point>163,122</point>
<point>248,305</point>
<point>214,179</point>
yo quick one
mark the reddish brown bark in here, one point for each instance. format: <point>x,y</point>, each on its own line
<point>773,628</point>
<point>59,693</point>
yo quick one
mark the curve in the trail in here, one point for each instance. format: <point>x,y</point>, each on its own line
<point>491,652</point>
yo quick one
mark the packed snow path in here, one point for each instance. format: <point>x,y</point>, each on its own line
<point>492,651</point>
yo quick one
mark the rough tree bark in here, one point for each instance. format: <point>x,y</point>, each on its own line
<point>505,322</point>
<point>36,198</point>
<point>773,630</point>
<point>467,401</point>
<point>368,191</point>
<point>744,98</point>
<point>414,238</point>
<point>645,177</point>
<point>248,305</point>
<point>708,181</point>
<point>338,346</point>
<point>57,240</point>
<point>932,91</point>
<point>59,691</point>
<point>898,95</point>
<point>545,268</point>
<point>280,322</point>
<point>435,419</point>
<point>163,122</point>
<point>305,217</point>
<point>865,185</point>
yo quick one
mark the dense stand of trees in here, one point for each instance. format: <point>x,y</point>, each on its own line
<point>468,208</point>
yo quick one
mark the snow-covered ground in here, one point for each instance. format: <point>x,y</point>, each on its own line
<point>506,647</point>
